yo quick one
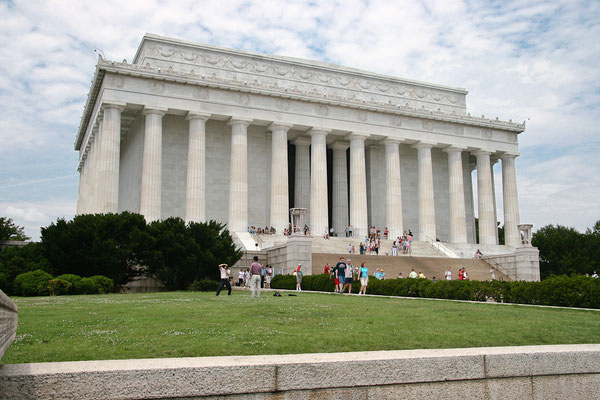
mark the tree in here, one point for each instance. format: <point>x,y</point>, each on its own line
<point>10,231</point>
<point>100,244</point>
<point>177,255</point>
<point>564,250</point>
<point>16,260</point>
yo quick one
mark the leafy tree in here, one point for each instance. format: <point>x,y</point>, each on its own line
<point>10,231</point>
<point>101,244</point>
<point>16,260</point>
<point>177,255</point>
<point>564,250</point>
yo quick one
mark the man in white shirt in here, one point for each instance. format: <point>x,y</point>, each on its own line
<point>225,272</point>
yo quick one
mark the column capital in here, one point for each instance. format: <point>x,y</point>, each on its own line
<point>154,110</point>
<point>390,140</point>
<point>481,152</point>
<point>454,149</point>
<point>278,126</point>
<point>357,135</point>
<point>116,105</point>
<point>197,115</point>
<point>318,131</point>
<point>302,141</point>
<point>423,145</point>
<point>509,155</point>
<point>239,121</point>
<point>339,145</point>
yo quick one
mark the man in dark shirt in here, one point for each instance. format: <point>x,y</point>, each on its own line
<point>340,272</point>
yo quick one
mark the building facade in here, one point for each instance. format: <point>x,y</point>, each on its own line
<point>202,132</point>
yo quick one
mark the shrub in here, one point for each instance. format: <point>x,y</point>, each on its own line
<point>103,284</point>
<point>86,286</point>
<point>59,287</point>
<point>204,285</point>
<point>33,283</point>
<point>574,291</point>
<point>72,279</point>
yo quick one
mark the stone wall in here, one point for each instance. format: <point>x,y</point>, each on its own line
<point>522,265</point>
<point>531,372</point>
<point>8,323</point>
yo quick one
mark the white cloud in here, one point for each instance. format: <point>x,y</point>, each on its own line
<point>517,58</point>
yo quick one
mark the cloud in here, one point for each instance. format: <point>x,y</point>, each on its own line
<point>518,59</point>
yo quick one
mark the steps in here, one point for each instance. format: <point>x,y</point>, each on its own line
<point>340,246</point>
<point>431,266</point>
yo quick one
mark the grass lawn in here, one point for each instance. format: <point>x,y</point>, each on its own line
<point>192,324</point>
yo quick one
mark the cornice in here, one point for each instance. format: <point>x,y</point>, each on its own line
<point>149,72</point>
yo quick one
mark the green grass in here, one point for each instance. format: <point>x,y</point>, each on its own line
<point>193,324</point>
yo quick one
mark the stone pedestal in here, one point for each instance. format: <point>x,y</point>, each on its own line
<point>299,251</point>
<point>528,263</point>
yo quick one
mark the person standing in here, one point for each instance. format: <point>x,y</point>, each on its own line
<point>364,278</point>
<point>340,272</point>
<point>268,276</point>
<point>493,273</point>
<point>348,277</point>
<point>255,274</point>
<point>448,274</point>
<point>327,269</point>
<point>299,276</point>
<point>225,272</point>
<point>241,277</point>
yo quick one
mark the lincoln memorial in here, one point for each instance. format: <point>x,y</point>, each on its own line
<point>203,132</point>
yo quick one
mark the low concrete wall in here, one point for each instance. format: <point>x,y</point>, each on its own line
<point>8,322</point>
<point>531,372</point>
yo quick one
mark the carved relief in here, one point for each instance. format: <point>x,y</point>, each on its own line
<point>116,81</point>
<point>200,93</point>
<point>395,121</point>
<point>157,87</point>
<point>243,99</point>
<point>282,104</point>
<point>323,111</point>
<point>307,74</point>
<point>427,125</point>
<point>361,115</point>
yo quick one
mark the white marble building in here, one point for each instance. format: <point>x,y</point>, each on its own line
<point>203,132</point>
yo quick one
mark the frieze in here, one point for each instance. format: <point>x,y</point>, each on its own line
<point>245,64</point>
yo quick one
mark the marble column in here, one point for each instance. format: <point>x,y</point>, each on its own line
<point>340,188</point>
<point>93,185</point>
<point>109,159</point>
<point>485,199</point>
<point>358,185</point>
<point>393,188</point>
<point>427,228</point>
<point>512,236</point>
<point>319,213</point>
<point>456,190</point>
<point>195,195</point>
<point>493,161</point>
<point>238,178</point>
<point>280,204</point>
<point>302,175</point>
<point>151,189</point>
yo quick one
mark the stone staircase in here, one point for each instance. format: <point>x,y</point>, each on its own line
<point>430,266</point>
<point>339,245</point>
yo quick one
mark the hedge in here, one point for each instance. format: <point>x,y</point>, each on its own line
<point>40,283</point>
<point>573,291</point>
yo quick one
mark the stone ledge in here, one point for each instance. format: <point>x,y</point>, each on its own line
<point>380,374</point>
<point>8,322</point>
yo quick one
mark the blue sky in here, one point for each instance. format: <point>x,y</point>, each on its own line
<point>534,60</point>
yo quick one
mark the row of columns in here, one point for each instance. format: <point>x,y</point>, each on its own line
<point>100,180</point>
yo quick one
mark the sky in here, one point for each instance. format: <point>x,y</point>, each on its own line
<point>533,61</point>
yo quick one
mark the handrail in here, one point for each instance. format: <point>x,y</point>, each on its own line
<point>441,248</point>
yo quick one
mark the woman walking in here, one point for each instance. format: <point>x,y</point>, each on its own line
<point>364,278</point>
